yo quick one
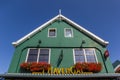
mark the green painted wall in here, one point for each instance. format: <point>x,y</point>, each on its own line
<point>57,44</point>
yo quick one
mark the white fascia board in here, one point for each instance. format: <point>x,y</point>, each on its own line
<point>86,31</point>
<point>69,21</point>
<point>34,31</point>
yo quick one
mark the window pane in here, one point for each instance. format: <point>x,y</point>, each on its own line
<point>52,32</point>
<point>44,55</point>
<point>79,52</point>
<point>90,55</point>
<point>32,56</point>
<point>91,58</point>
<point>68,32</point>
<point>89,51</point>
<point>79,55</point>
<point>80,59</point>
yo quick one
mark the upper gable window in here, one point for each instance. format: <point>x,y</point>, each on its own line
<point>52,32</point>
<point>68,32</point>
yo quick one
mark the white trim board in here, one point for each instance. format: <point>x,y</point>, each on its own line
<point>101,41</point>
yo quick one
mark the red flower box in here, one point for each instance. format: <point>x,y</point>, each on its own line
<point>35,66</point>
<point>25,65</point>
<point>88,67</point>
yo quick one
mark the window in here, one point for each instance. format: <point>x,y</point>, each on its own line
<point>68,32</point>
<point>52,32</point>
<point>32,57</point>
<point>44,55</point>
<point>90,55</point>
<point>38,55</point>
<point>84,55</point>
<point>79,55</point>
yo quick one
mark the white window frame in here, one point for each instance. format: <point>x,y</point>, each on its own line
<point>65,32</point>
<point>55,32</point>
<point>94,54</point>
<point>28,54</point>
<point>38,54</point>
<point>85,54</point>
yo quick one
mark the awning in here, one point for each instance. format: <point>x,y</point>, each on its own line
<point>69,76</point>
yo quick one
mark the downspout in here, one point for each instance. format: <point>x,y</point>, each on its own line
<point>103,60</point>
<point>81,46</point>
<point>21,55</point>
<point>39,42</point>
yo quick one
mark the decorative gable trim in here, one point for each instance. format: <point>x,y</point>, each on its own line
<point>61,17</point>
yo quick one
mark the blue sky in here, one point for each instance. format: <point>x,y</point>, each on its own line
<point>19,17</point>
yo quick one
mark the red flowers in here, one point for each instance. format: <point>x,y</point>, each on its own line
<point>88,67</point>
<point>45,67</point>
<point>34,66</point>
<point>25,65</point>
<point>95,67</point>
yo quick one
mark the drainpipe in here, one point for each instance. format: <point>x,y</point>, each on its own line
<point>103,60</point>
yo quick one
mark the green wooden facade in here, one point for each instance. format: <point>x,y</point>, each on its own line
<point>81,38</point>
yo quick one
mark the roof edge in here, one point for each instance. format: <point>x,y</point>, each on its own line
<point>33,32</point>
<point>103,42</point>
<point>88,32</point>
